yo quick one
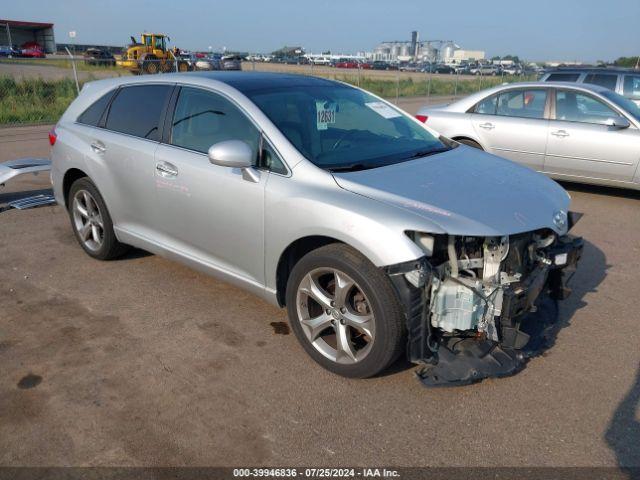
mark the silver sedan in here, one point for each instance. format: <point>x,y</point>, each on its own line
<point>582,133</point>
<point>378,236</point>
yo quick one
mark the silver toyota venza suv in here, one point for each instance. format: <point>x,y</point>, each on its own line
<point>376,234</point>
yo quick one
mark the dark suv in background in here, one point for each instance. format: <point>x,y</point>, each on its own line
<point>97,56</point>
<point>624,81</point>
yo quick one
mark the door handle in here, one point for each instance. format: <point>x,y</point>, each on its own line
<point>98,147</point>
<point>487,126</point>
<point>167,170</point>
<point>560,133</point>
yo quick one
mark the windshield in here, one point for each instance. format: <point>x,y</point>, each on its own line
<point>341,128</point>
<point>627,105</point>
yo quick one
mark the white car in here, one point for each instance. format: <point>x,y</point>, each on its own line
<point>569,131</point>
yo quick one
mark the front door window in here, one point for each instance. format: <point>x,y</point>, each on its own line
<point>578,107</point>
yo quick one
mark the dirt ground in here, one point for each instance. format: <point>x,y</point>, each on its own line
<point>48,69</point>
<point>142,361</point>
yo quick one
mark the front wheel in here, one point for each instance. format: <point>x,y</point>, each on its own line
<point>469,143</point>
<point>344,312</point>
<point>150,67</point>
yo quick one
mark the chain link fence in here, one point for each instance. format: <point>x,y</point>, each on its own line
<point>38,90</point>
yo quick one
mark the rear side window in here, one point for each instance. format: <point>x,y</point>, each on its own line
<point>93,114</point>
<point>136,110</point>
<point>487,106</point>
<point>522,103</point>
<point>604,80</point>
<point>631,87</point>
<point>563,77</point>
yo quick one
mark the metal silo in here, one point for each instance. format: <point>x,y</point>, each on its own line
<point>446,52</point>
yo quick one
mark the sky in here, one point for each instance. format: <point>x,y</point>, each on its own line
<point>562,30</point>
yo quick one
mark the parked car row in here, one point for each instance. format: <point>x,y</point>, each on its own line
<point>625,81</point>
<point>28,50</point>
<point>194,61</point>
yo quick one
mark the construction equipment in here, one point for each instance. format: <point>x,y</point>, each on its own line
<point>151,56</point>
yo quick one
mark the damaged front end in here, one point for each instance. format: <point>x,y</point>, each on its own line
<point>478,307</point>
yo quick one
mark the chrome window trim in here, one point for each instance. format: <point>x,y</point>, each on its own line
<point>115,132</point>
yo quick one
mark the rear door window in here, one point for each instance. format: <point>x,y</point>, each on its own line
<point>563,77</point>
<point>93,114</point>
<point>136,110</point>
<point>522,103</point>
<point>606,80</point>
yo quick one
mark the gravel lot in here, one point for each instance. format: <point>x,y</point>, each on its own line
<point>142,361</point>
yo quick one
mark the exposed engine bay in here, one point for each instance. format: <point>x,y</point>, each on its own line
<point>476,306</point>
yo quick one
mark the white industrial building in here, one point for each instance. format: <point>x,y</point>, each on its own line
<point>461,55</point>
<point>445,51</point>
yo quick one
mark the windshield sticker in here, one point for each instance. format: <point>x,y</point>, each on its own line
<point>326,114</point>
<point>383,109</point>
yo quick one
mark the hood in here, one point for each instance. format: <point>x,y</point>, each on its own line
<point>465,191</point>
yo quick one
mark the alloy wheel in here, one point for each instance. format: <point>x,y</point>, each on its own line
<point>335,315</point>
<point>87,220</point>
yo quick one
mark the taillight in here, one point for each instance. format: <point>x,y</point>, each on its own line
<point>52,137</point>
<point>422,118</point>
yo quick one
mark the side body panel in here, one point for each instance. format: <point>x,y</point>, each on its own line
<point>124,176</point>
<point>211,212</point>
<point>592,151</point>
<point>521,140</point>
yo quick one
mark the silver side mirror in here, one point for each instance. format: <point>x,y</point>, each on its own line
<point>617,122</point>
<point>231,153</point>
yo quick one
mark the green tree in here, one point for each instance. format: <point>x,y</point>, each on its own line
<point>629,62</point>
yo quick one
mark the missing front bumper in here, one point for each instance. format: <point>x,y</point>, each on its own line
<point>529,312</point>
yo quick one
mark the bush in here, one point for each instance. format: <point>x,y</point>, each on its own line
<point>34,100</point>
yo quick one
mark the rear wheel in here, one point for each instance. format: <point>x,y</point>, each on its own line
<point>344,312</point>
<point>168,66</point>
<point>91,221</point>
<point>183,67</point>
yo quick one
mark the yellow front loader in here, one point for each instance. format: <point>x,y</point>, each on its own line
<point>151,55</point>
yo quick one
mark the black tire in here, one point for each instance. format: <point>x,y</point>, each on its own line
<point>111,248</point>
<point>183,67</point>
<point>388,315</point>
<point>168,66</point>
<point>469,143</point>
<point>150,66</point>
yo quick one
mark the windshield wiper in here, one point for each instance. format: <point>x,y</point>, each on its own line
<point>353,167</point>
<point>426,153</point>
